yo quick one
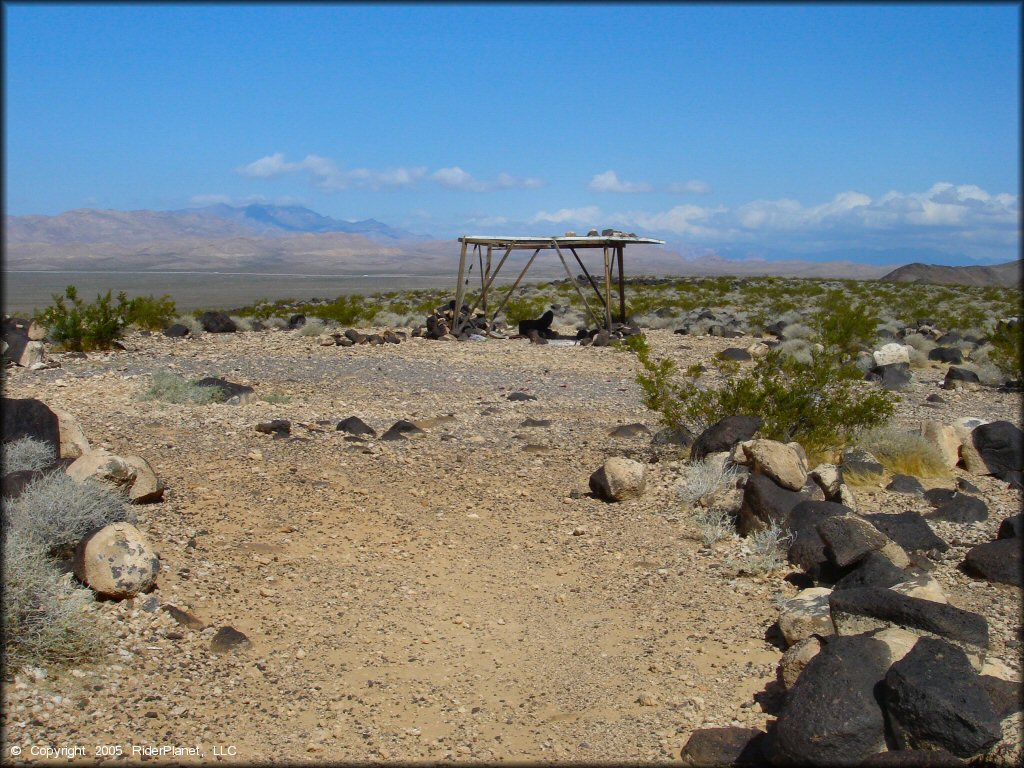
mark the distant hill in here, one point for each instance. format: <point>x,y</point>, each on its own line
<point>1004,275</point>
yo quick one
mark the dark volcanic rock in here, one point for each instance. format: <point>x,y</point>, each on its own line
<point>630,430</point>
<point>939,496</point>
<point>1000,445</point>
<point>517,397</point>
<point>934,699</point>
<point>535,423</point>
<point>681,438</point>
<point>960,509</point>
<point>400,429</point>
<point>891,376</point>
<point>217,322</point>
<point>966,486</point>
<point>228,388</point>
<point>955,376</point>
<point>15,483</point>
<point>870,608</point>
<point>807,548</point>
<point>30,418</point>
<point>735,354</point>
<point>910,530</point>
<point>849,538</point>
<point>296,321</point>
<point>913,758</point>
<point>15,333</point>
<point>732,746</point>
<point>830,715</point>
<point>229,639</point>
<point>998,561</point>
<point>875,570</point>
<point>905,484</point>
<point>723,435</point>
<point>1007,696</point>
<point>765,503</point>
<point>353,425</point>
<point>280,426</point>
<point>176,331</point>
<point>1012,527</point>
<point>946,355</point>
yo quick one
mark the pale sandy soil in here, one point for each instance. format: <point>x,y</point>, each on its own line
<point>457,595</point>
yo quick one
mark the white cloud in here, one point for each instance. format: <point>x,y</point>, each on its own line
<point>456,178</point>
<point>609,182</point>
<point>588,214</point>
<point>692,187</point>
<point>328,176</point>
<point>944,217</point>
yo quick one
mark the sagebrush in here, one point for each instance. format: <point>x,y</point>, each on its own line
<point>27,453</point>
<point>169,388</point>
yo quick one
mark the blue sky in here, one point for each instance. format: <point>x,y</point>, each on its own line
<point>769,128</point>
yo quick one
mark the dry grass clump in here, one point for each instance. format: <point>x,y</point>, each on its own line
<point>903,453</point>
<point>27,453</point>
<point>797,331</point>
<point>313,326</point>
<point>767,550</point>
<point>241,323</point>
<point>797,349</point>
<point>704,478</point>
<point>195,328</point>
<point>919,342</point>
<point>44,614</point>
<point>56,511</point>
<point>169,388</point>
<point>276,322</point>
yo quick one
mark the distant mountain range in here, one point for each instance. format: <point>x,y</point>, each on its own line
<point>272,238</point>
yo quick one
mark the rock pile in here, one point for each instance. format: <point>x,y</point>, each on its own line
<point>441,323</point>
<point>22,344</point>
<point>352,337</point>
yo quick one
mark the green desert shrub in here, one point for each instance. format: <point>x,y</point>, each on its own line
<point>819,404</point>
<point>344,310</point>
<point>27,453</point>
<point>843,325</point>
<point>904,453</point>
<point>170,388</point>
<point>146,312</point>
<point>78,326</point>
<point>56,511</point>
<point>526,308</point>
<point>1005,353</point>
<point>44,615</point>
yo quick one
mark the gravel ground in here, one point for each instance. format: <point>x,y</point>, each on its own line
<point>457,595</point>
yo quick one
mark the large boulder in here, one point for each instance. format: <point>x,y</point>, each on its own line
<point>723,435</point>
<point>969,456</point>
<point>935,700</point>
<point>732,745</point>
<point>805,615</point>
<point>73,442</point>
<point>15,336</point>
<point>34,354</point>
<point>850,538</point>
<point>796,658</point>
<point>943,437</point>
<point>147,488</point>
<point>807,549</point>
<point>874,570</point>
<point>116,561</point>
<point>765,503</point>
<point>1011,527</point>
<point>960,378</point>
<point>105,467</point>
<point>30,418</point>
<point>217,322</point>
<point>1000,444</point>
<point>830,715</point>
<point>619,479</point>
<point>946,355</point>
<point>353,425</point>
<point>865,610</point>
<point>781,462</point>
<point>891,354</point>
<point>998,561</point>
<point>890,377</point>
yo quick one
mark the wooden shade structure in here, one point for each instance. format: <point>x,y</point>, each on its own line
<point>612,244</point>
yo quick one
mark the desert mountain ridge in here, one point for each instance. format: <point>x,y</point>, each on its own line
<point>263,238</point>
<point>1008,274</point>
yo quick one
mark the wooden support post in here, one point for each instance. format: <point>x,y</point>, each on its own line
<point>593,283</point>
<point>493,277</point>
<point>485,280</point>
<point>459,291</point>
<point>622,287</point>
<point>572,280</point>
<point>515,285</point>
<point>607,289</point>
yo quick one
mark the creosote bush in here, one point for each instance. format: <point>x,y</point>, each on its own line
<point>819,404</point>
<point>79,327</point>
<point>27,453</point>
<point>169,388</point>
<point>43,611</point>
<point>56,511</point>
